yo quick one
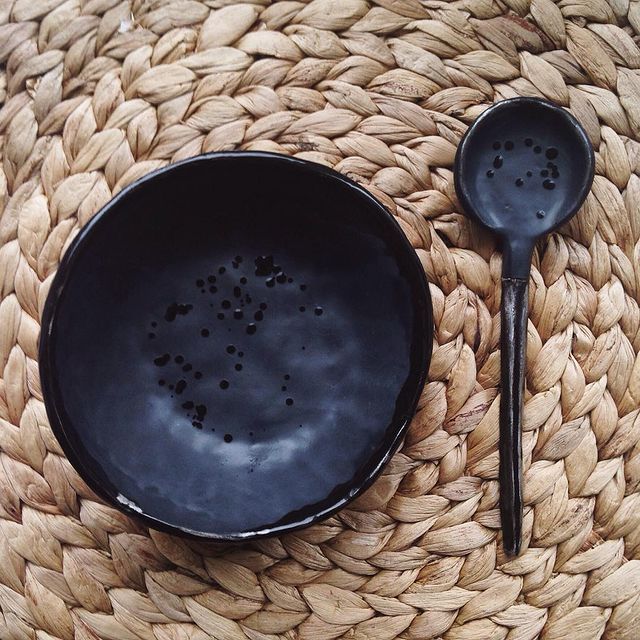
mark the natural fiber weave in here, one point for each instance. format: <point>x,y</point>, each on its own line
<point>97,93</point>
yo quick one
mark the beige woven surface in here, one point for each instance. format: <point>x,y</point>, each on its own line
<point>97,93</point>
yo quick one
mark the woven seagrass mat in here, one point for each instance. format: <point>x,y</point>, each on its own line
<point>97,93</point>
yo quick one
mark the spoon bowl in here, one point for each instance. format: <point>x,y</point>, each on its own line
<point>524,168</point>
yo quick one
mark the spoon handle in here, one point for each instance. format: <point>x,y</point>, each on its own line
<point>513,340</point>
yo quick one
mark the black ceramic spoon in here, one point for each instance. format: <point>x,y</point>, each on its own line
<point>523,168</point>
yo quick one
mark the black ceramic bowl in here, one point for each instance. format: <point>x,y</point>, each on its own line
<point>234,346</point>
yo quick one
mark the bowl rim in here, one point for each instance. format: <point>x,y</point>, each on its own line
<point>396,430</point>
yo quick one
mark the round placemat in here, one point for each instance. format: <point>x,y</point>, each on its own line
<point>96,93</point>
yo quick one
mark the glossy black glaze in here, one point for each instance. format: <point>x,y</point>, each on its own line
<point>523,168</point>
<point>234,346</point>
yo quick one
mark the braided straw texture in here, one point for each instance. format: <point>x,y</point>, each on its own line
<point>97,93</point>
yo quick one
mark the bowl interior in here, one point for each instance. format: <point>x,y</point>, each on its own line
<point>234,345</point>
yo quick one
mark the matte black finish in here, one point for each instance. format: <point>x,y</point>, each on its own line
<point>523,168</point>
<point>513,340</point>
<point>234,346</point>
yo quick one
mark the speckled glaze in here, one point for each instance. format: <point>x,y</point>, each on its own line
<point>234,346</point>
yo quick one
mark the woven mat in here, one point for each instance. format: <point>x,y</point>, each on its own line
<point>97,93</point>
